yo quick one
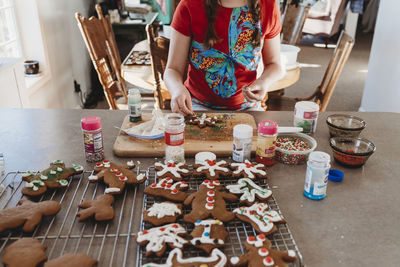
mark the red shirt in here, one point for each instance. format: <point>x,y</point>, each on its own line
<point>216,76</point>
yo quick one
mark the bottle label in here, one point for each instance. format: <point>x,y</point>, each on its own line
<point>241,151</point>
<point>135,110</point>
<point>266,147</point>
<point>174,139</point>
<point>319,189</point>
<point>307,185</point>
<point>93,142</point>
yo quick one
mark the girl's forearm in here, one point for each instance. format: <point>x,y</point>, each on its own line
<point>272,72</point>
<point>173,80</point>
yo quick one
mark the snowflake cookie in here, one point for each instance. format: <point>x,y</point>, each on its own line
<point>212,169</point>
<point>203,120</point>
<point>156,239</point>
<point>259,253</point>
<point>168,189</point>
<point>248,170</point>
<point>208,234</point>
<point>177,171</point>
<point>175,258</point>
<point>53,177</point>
<point>209,201</point>
<point>161,213</point>
<point>115,176</point>
<point>249,191</point>
<point>260,216</point>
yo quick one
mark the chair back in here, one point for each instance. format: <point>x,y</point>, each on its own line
<point>95,37</point>
<point>341,54</point>
<point>159,48</point>
<point>293,22</point>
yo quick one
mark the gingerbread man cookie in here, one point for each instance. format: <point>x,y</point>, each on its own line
<point>208,234</point>
<point>161,213</point>
<point>115,176</point>
<point>177,171</point>
<point>29,214</point>
<point>250,170</point>
<point>260,216</point>
<point>53,177</point>
<point>100,207</point>
<point>27,252</point>
<point>67,260</point>
<point>209,201</point>
<point>212,169</point>
<point>203,120</point>
<point>168,189</point>
<point>157,238</point>
<point>249,191</point>
<point>260,254</point>
<point>175,258</point>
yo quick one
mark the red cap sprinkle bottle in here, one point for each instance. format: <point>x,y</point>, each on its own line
<point>92,138</point>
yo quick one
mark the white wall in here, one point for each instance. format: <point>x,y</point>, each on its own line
<point>382,87</point>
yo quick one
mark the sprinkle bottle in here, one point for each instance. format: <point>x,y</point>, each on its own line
<point>174,138</point>
<point>242,137</point>
<point>306,116</point>
<point>318,165</point>
<point>92,138</point>
<point>134,105</point>
<point>266,142</point>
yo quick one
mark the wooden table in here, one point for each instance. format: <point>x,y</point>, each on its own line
<point>355,225</point>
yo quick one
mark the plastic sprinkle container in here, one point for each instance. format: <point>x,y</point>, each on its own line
<point>294,149</point>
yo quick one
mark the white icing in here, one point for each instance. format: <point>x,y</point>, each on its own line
<point>258,240</point>
<point>123,178</point>
<point>107,165</point>
<point>174,170</point>
<point>248,171</point>
<point>29,185</point>
<point>35,188</point>
<point>118,174</point>
<point>263,252</point>
<point>43,177</point>
<point>210,193</point>
<point>291,253</point>
<point>203,119</point>
<point>27,174</point>
<point>93,177</point>
<point>112,190</point>
<point>212,168</point>
<point>38,182</point>
<point>242,187</point>
<point>209,206</point>
<point>168,181</point>
<point>159,236</point>
<point>59,169</point>
<point>163,209</point>
<point>270,263</point>
<point>140,177</point>
<point>202,157</point>
<point>99,164</point>
<point>114,169</point>
<point>262,215</point>
<point>130,163</point>
<point>63,182</point>
<point>77,167</point>
<point>205,237</point>
<point>216,255</point>
<point>53,172</point>
<point>210,200</point>
<point>58,161</point>
<point>234,260</point>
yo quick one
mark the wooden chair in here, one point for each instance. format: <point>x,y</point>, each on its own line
<point>103,59</point>
<point>324,91</point>
<point>293,22</point>
<point>159,48</point>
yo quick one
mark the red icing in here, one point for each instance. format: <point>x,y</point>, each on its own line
<point>268,259</point>
<point>252,212</point>
<point>171,165</point>
<point>249,165</point>
<point>261,236</point>
<point>106,161</point>
<point>153,185</point>
<point>251,238</point>
<point>169,185</point>
<point>118,173</point>
<point>210,204</point>
<point>183,182</point>
<point>162,229</point>
<point>210,199</point>
<point>114,169</point>
<point>175,226</point>
<point>217,182</point>
<point>98,164</point>
<point>175,190</point>
<point>206,181</point>
<point>144,232</point>
<point>211,192</point>
<point>263,250</point>
<point>211,162</point>
<point>122,178</point>
<point>163,184</point>
<point>168,179</point>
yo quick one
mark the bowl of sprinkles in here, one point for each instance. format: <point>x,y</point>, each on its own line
<point>294,149</point>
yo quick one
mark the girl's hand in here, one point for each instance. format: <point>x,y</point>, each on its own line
<point>255,92</point>
<point>181,102</point>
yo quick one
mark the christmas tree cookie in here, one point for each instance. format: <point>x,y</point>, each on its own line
<point>249,191</point>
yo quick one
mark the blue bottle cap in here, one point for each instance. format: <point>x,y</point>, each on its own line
<point>335,175</point>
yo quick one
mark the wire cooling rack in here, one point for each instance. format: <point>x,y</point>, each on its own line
<point>238,231</point>
<point>111,243</point>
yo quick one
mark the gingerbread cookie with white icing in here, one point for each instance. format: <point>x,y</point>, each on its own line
<point>116,176</point>
<point>156,239</point>
<point>100,207</point>
<point>162,213</point>
<point>202,121</point>
<point>249,191</point>
<point>177,171</point>
<point>175,258</point>
<point>212,169</point>
<point>26,252</point>
<point>259,253</point>
<point>248,169</point>
<point>168,189</point>
<point>209,201</point>
<point>260,216</point>
<point>53,177</point>
<point>208,234</point>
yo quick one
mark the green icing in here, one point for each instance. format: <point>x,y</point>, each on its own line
<point>58,161</point>
<point>77,167</point>
<point>63,182</point>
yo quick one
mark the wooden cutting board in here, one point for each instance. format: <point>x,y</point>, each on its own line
<point>217,139</point>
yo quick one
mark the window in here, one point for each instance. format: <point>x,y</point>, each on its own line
<point>9,41</point>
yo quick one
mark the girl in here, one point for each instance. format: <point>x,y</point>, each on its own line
<point>224,40</point>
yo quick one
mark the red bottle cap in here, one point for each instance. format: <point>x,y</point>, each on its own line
<point>267,127</point>
<point>91,123</point>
